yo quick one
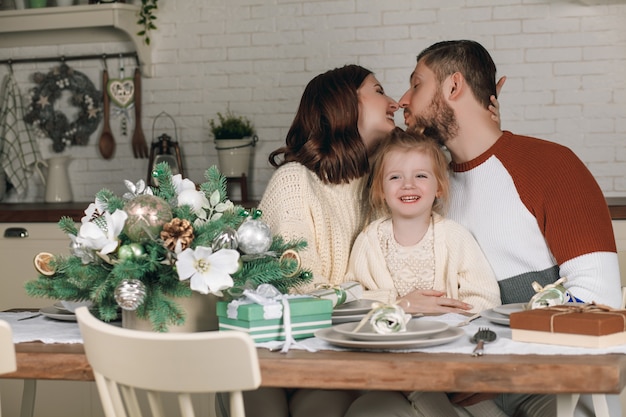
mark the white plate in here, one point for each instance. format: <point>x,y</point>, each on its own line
<point>59,306</point>
<point>507,309</point>
<point>331,336</point>
<point>494,317</point>
<point>415,329</point>
<point>56,314</point>
<point>347,319</point>
<point>361,306</point>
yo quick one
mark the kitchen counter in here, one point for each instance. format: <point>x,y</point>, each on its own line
<point>52,212</point>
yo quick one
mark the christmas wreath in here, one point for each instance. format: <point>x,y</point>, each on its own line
<point>54,123</point>
<point>153,244</point>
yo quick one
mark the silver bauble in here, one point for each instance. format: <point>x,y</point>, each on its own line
<point>227,239</point>
<point>254,237</point>
<point>130,294</point>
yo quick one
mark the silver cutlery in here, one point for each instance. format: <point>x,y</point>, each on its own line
<point>468,320</point>
<point>30,317</point>
<point>482,336</point>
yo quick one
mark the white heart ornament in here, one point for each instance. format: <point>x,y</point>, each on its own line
<point>121,91</point>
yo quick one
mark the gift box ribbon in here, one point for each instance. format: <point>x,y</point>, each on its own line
<point>587,308</point>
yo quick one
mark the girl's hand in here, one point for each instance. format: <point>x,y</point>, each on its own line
<point>431,301</point>
<point>494,108</point>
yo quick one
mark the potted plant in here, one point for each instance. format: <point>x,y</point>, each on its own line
<point>234,136</point>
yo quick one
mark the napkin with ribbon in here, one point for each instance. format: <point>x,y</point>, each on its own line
<point>339,294</point>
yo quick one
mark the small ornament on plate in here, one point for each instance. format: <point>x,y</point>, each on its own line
<point>130,294</point>
<point>550,295</point>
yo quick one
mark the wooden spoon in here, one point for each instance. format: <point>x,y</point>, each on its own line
<point>107,141</point>
<point>140,146</point>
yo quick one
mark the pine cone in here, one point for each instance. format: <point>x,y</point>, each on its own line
<point>177,231</point>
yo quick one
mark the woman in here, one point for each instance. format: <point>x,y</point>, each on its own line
<point>315,194</point>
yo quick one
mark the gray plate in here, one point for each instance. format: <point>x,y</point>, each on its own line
<point>56,314</point>
<point>415,329</point>
<point>352,308</point>
<point>331,336</point>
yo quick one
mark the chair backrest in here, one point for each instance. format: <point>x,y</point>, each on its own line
<point>125,361</point>
<point>7,351</point>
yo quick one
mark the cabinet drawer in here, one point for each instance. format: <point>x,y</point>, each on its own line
<point>19,243</point>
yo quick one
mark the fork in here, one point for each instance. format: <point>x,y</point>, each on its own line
<point>482,336</point>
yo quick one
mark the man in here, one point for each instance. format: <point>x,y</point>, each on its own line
<point>532,205</point>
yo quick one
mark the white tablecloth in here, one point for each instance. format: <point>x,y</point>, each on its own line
<point>48,330</point>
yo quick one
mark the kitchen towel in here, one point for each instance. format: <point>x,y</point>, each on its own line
<point>20,151</point>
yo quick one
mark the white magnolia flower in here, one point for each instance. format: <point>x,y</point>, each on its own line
<point>101,233</point>
<point>208,271</point>
<point>181,184</point>
<point>93,211</point>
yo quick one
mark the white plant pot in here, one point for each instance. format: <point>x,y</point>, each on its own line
<point>234,155</point>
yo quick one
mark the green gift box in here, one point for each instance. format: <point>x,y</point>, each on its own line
<point>266,322</point>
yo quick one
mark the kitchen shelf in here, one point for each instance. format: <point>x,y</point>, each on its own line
<point>75,24</point>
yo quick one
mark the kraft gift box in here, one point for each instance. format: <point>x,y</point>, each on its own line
<point>307,316</point>
<point>570,326</point>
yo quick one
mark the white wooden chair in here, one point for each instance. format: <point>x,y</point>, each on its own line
<point>7,351</point>
<point>128,362</point>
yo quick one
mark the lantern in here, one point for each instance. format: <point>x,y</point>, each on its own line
<point>164,149</point>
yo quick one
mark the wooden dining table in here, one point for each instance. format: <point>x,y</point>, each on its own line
<point>564,375</point>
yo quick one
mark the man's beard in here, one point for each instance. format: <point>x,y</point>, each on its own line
<point>437,121</point>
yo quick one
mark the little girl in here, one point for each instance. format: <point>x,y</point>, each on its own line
<point>411,247</point>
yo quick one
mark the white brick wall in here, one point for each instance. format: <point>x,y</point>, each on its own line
<point>565,62</point>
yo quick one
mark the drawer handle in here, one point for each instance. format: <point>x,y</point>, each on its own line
<point>16,232</point>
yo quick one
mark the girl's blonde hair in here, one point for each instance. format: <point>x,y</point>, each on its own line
<point>399,140</point>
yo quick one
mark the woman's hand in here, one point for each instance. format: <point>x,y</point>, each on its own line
<point>431,301</point>
<point>494,107</point>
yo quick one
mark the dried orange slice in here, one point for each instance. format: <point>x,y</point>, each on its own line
<point>42,263</point>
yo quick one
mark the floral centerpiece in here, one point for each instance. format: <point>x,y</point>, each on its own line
<point>153,244</point>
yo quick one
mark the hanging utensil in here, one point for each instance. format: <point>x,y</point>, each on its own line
<point>107,141</point>
<point>139,144</point>
<point>121,93</point>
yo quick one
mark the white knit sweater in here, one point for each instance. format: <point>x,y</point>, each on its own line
<point>298,205</point>
<point>461,269</point>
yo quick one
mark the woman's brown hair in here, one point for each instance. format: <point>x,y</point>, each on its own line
<point>399,140</point>
<point>324,135</point>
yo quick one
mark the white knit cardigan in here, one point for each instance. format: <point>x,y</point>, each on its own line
<point>461,269</point>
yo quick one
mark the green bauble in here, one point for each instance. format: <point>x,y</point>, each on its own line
<point>146,216</point>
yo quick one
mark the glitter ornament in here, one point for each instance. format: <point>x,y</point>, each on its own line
<point>227,239</point>
<point>146,216</point>
<point>254,237</point>
<point>130,294</point>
